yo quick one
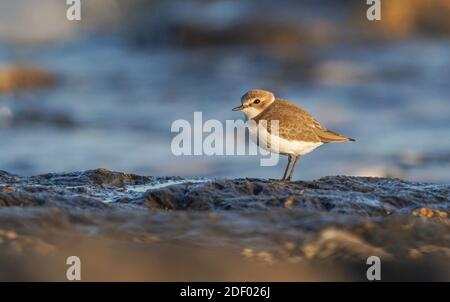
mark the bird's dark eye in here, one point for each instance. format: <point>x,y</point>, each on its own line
<point>257,101</point>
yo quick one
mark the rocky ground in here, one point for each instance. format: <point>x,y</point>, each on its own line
<point>130,227</point>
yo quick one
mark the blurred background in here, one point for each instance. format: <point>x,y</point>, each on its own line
<point>104,91</point>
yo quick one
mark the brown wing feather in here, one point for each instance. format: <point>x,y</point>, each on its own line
<point>297,124</point>
<point>328,136</point>
<point>294,123</point>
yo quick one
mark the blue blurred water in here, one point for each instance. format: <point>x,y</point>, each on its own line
<point>117,104</point>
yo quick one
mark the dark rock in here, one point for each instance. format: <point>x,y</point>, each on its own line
<point>335,218</point>
<point>5,177</point>
<point>98,177</point>
<point>362,196</point>
<point>351,195</point>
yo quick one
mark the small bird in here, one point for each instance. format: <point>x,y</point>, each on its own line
<point>298,131</point>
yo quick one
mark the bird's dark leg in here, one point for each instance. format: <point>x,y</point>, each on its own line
<point>293,168</point>
<point>287,167</point>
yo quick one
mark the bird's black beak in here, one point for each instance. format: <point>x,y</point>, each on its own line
<point>238,108</point>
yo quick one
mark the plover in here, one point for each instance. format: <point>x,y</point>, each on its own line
<point>298,131</point>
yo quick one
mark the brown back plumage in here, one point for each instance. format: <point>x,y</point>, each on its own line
<point>297,124</point>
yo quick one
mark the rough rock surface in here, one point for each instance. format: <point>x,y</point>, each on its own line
<point>336,219</point>
<point>363,196</point>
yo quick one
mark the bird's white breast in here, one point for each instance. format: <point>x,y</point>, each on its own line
<point>281,145</point>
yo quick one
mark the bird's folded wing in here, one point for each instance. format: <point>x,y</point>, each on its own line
<point>294,123</point>
<point>328,136</point>
<point>305,127</point>
<point>300,126</point>
<point>297,124</point>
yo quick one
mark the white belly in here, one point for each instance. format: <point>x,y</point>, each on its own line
<point>280,145</point>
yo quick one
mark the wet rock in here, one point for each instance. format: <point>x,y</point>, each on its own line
<point>352,195</point>
<point>85,190</point>
<point>422,251</point>
<point>436,215</point>
<point>362,196</point>
<point>6,177</point>
<point>335,218</point>
<point>98,177</point>
<point>14,199</point>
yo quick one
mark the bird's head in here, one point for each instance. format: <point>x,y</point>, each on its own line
<point>254,102</point>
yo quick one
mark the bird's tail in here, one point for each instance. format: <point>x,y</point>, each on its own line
<point>328,136</point>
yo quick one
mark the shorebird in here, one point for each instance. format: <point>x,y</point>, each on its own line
<point>298,131</point>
